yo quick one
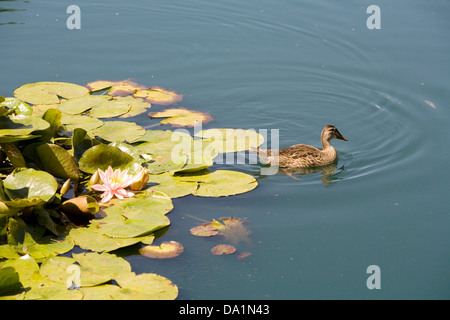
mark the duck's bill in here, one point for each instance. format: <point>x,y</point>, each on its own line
<point>340,136</point>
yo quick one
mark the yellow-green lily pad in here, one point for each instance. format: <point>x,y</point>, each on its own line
<point>222,183</point>
<point>48,92</point>
<point>82,104</point>
<point>119,131</point>
<point>232,140</point>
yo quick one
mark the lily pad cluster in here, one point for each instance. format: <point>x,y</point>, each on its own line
<point>54,139</point>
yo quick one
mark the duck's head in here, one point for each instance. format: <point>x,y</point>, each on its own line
<point>331,132</point>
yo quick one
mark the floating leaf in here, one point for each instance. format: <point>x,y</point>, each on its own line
<point>167,249</point>
<point>137,106</point>
<point>80,209</point>
<point>81,104</point>
<point>181,117</point>
<point>158,95</point>
<point>223,249</point>
<point>44,246</point>
<point>103,156</point>
<point>205,230</point>
<point>49,92</point>
<point>89,239</point>
<point>116,88</point>
<point>119,131</point>
<point>19,107</point>
<point>29,185</point>
<point>133,217</point>
<point>20,127</point>
<point>172,185</point>
<point>222,183</point>
<point>147,286</point>
<point>232,140</point>
<point>72,122</point>
<point>110,109</point>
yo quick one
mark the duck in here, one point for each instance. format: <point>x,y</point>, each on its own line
<point>305,156</point>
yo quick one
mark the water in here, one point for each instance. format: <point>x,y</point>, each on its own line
<point>294,66</point>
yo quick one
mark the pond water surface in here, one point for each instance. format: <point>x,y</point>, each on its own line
<point>294,66</point>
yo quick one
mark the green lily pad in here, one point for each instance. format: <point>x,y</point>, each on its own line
<point>137,106</point>
<point>29,185</point>
<point>133,217</point>
<point>53,159</point>
<point>119,131</point>
<point>82,104</point>
<point>72,122</point>
<point>49,92</point>
<point>146,286</point>
<point>222,183</point>
<point>21,127</point>
<point>89,239</point>
<point>102,156</point>
<point>171,185</point>
<point>110,109</point>
<point>19,107</point>
<point>164,162</point>
<point>232,140</point>
<point>9,281</point>
<point>44,246</point>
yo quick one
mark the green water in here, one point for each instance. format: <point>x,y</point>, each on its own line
<point>295,66</point>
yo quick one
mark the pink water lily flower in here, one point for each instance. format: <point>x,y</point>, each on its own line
<point>114,184</point>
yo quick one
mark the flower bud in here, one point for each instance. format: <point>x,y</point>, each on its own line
<point>141,180</point>
<point>65,187</point>
<point>95,178</point>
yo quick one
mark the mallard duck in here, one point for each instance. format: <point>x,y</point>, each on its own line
<point>304,156</point>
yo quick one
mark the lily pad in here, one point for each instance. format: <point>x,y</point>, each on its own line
<point>82,104</point>
<point>116,88</point>
<point>146,286</point>
<point>110,109</point>
<point>72,122</point>
<point>231,228</point>
<point>19,107</point>
<point>49,92</point>
<point>223,249</point>
<point>222,183</point>
<point>172,185</point>
<point>137,106</point>
<point>119,131</point>
<point>181,117</point>
<point>103,156</point>
<point>29,185</point>
<point>134,217</point>
<point>21,127</point>
<point>232,140</point>
<point>158,95</point>
<point>167,249</point>
<point>89,239</point>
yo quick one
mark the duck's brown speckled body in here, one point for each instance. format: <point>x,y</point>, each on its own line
<point>303,156</point>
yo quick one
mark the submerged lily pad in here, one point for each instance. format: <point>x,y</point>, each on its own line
<point>223,249</point>
<point>158,95</point>
<point>181,117</point>
<point>48,92</point>
<point>231,228</point>
<point>167,249</point>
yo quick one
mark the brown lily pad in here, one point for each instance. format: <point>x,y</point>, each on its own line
<point>158,95</point>
<point>116,88</point>
<point>223,249</point>
<point>167,249</point>
<point>181,117</point>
